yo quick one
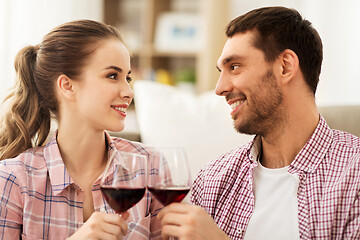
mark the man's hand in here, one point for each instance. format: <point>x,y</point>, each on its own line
<point>187,222</point>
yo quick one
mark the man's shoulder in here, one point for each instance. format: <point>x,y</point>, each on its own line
<point>344,154</point>
<point>219,177</point>
<point>345,146</point>
<point>345,139</point>
<point>229,161</point>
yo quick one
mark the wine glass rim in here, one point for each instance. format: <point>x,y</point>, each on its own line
<point>110,160</point>
<point>166,147</point>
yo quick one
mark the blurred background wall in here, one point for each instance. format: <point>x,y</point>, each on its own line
<point>24,22</point>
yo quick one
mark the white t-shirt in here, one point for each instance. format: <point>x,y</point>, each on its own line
<point>276,206</point>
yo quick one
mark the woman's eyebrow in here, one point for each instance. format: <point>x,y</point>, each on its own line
<point>115,68</point>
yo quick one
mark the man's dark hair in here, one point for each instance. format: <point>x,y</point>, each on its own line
<point>280,28</point>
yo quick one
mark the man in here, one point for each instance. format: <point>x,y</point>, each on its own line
<point>298,179</point>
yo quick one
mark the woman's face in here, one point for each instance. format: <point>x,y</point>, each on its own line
<point>102,91</point>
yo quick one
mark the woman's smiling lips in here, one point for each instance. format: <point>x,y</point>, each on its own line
<point>121,109</point>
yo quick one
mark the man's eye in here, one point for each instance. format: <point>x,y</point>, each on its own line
<point>233,67</point>
<point>112,76</point>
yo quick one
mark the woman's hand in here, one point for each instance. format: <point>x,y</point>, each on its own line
<point>104,226</point>
<point>187,222</point>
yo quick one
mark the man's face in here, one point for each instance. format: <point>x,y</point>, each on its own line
<point>248,83</point>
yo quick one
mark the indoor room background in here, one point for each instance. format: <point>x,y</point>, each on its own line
<point>25,22</point>
<point>188,54</point>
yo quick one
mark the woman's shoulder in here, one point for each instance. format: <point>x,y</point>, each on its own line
<point>26,161</point>
<point>20,169</point>
<point>130,146</point>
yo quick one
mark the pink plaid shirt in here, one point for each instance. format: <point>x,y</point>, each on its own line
<point>39,200</point>
<point>328,167</point>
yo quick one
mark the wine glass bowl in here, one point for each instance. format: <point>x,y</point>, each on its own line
<point>123,183</point>
<point>169,176</point>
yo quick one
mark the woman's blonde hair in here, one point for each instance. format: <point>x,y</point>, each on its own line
<point>65,50</point>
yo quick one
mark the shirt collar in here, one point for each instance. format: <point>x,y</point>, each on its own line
<point>255,149</point>
<point>310,156</point>
<point>58,174</point>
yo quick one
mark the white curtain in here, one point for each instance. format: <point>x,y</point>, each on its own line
<point>338,25</point>
<point>24,22</point>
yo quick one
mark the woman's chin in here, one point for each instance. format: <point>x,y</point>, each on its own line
<point>116,129</point>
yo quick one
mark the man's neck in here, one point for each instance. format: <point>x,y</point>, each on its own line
<point>280,147</point>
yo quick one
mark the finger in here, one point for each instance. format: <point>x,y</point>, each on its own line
<point>117,222</point>
<point>171,231</point>
<point>125,215</point>
<point>124,226</point>
<point>108,236</point>
<point>124,229</point>
<point>177,208</point>
<point>113,218</point>
<point>112,229</point>
<point>174,219</point>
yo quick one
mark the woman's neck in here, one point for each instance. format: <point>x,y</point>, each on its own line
<point>83,152</point>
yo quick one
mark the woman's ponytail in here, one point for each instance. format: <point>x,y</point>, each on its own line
<point>25,123</point>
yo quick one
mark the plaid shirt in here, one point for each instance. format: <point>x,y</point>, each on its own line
<point>328,167</point>
<point>39,200</point>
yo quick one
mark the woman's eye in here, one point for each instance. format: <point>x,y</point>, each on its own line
<point>112,76</point>
<point>128,79</point>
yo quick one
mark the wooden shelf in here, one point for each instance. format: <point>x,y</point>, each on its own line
<point>138,18</point>
<point>149,51</point>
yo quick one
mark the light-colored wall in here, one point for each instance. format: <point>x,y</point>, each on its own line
<point>338,25</point>
<point>24,22</point>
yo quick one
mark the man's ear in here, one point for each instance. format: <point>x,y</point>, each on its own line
<point>65,87</point>
<point>289,65</point>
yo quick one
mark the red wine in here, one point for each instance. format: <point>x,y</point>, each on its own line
<point>167,195</point>
<point>121,199</point>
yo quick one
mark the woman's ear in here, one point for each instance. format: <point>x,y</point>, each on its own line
<point>65,87</point>
<point>289,65</point>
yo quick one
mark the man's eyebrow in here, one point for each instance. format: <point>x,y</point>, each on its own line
<point>232,58</point>
<point>229,59</point>
<point>115,68</point>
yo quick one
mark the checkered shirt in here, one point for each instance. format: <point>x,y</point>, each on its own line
<point>328,167</point>
<point>39,200</point>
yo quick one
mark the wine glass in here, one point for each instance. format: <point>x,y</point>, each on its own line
<point>123,183</point>
<point>169,176</point>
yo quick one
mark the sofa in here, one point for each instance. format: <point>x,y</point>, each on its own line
<point>345,118</point>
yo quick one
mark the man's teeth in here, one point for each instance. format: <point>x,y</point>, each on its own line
<point>236,104</point>
<point>120,109</point>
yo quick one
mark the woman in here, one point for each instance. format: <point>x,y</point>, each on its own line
<point>80,75</point>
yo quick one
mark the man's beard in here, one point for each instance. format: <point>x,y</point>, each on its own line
<point>263,110</point>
